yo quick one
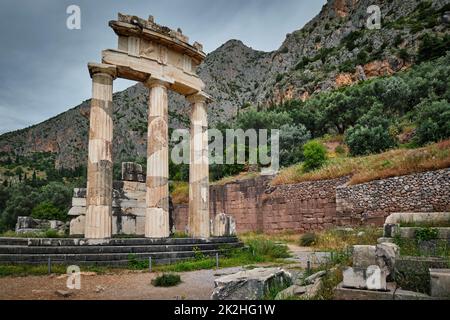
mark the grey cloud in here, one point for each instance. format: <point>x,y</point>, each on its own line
<point>43,64</point>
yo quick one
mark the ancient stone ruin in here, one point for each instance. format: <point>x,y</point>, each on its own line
<point>161,59</point>
<point>129,209</point>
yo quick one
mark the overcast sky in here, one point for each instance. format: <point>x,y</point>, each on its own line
<point>43,64</point>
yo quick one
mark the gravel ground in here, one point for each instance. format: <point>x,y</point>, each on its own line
<point>197,285</point>
<point>128,285</point>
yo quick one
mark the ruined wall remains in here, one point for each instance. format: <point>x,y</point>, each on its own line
<point>372,202</point>
<point>259,207</point>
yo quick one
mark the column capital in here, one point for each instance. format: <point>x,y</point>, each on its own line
<point>156,82</point>
<point>100,68</point>
<point>199,97</point>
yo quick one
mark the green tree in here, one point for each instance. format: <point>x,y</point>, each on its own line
<point>292,139</point>
<point>371,134</point>
<point>433,121</point>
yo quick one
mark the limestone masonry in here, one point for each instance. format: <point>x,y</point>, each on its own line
<point>255,205</point>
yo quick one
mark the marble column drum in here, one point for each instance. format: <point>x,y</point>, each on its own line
<point>100,163</point>
<point>199,224</point>
<point>157,198</point>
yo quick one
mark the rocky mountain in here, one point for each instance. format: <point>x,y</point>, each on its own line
<point>334,49</point>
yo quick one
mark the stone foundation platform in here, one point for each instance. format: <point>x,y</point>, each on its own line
<point>112,252</point>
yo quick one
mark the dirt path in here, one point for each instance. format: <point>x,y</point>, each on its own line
<point>196,285</point>
<point>128,285</point>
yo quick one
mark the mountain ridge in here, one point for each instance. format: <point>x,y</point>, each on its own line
<point>332,50</point>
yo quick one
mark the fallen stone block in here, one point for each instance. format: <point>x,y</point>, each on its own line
<point>440,283</point>
<point>372,278</point>
<point>292,291</point>
<point>312,279</point>
<point>250,284</point>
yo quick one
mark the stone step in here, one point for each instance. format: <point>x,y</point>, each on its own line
<point>96,257</point>
<point>111,242</point>
<point>15,250</point>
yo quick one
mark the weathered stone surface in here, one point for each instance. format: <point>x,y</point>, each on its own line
<point>224,226</point>
<point>372,278</point>
<point>418,218</point>
<point>77,225</point>
<point>199,224</point>
<point>386,255</point>
<point>342,293</point>
<point>313,278</point>
<point>29,224</point>
<point>364,256</point>
<point>250,285</point>
<point>294,290</point>
<point>77,211</point>
<point>440,283</point>
<point>132,172</point>
<point>424,193</point>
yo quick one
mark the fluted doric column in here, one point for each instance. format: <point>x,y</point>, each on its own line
<point>100,162</point>
<point>199,225</point>
<point>157,199</point>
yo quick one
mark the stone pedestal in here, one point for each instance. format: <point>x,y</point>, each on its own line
<point>157,199</point>
<point>199,225</point>
<point>100,162</point>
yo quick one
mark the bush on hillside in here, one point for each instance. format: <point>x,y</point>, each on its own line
<point>315,155</point>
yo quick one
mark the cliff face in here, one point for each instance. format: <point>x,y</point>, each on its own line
<point>332,50</point>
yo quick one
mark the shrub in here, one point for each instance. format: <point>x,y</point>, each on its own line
<point>47,211</point>
<point>427,234</point>
<point>315,155</point>
<point>167,280</point>
<point>308,239</point>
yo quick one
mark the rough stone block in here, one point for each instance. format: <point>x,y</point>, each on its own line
<point>224,226</point>
<point>372,278</point>
<point>364,256</point>
<point>251,284</point>
<point>386,255</point>
<point>77,211</point>
<point>79,193</point>
<point>440,283</point>
<point>77,225</point>
<point>78,202</point>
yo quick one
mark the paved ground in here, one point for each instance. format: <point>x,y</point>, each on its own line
<point>127,285</point>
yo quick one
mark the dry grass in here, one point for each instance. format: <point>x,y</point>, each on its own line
<point>284,237</point>
<point>239,177</point>
<point>339,240</point>
<point>180,193</point>
<point>364,169</point>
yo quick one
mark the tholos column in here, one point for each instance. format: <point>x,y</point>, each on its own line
<point>199,225</point>
<point>157,199</point>
<point>100,163</point>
